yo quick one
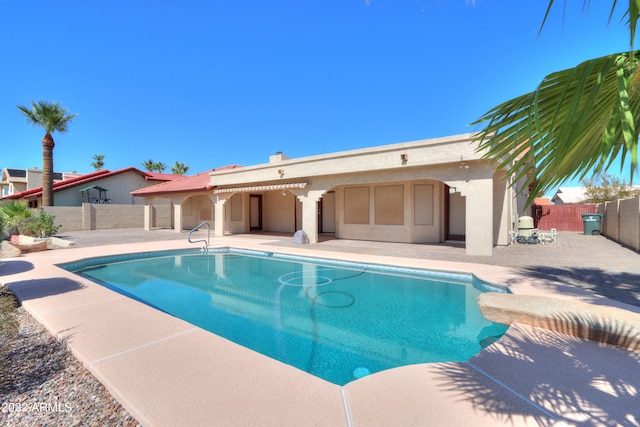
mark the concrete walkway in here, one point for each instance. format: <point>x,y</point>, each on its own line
<point>168,372</point>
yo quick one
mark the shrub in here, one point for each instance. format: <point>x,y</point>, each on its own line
<point>41,225</point>
<point>15,213</point>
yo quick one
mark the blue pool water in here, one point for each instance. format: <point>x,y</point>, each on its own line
<point>335,320</point>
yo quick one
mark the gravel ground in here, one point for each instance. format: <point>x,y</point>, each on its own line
<point>43,384</point>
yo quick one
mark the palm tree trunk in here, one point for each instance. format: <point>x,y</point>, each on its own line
<point>47,170</point>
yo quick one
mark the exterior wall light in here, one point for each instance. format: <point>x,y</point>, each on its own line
<point>404,158</point>
<point>281,172</point>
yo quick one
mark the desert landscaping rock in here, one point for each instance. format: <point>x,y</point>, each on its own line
<point>43,384</point>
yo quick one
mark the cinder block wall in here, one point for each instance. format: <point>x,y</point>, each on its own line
<point>69,217</point>
<point>622,222</point>
<point>106,217</point>
<point>611,225</point>
<point>629,222</point>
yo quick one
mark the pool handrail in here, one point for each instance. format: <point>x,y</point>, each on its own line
<point>198,227</point>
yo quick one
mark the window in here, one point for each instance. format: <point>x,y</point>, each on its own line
<point>356,205</point>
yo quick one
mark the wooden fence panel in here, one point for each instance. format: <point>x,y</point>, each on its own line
<point>561,217</point>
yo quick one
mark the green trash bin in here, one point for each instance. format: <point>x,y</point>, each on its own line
<point>591,223</point>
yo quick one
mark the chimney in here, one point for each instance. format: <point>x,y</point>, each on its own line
<point>278,157</point>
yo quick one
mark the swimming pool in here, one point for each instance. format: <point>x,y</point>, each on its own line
<point>336,320</point>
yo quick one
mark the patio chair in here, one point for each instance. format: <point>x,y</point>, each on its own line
<point>551,237</point>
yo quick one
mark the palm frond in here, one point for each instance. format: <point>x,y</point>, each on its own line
<point>576,122</point>
<point>630,15</point>
<point>51,116</point>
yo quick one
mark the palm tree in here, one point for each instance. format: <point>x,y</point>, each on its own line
<point>15,213</point>
<point>179,168</point>
<point>159,167</point>
<point>98,162</point>
<point>575,123</point>
<point>149,165</point>
<point>51,117</point>
<point>152,166</point>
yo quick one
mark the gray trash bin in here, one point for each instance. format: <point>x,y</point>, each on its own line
<point>591,223</point>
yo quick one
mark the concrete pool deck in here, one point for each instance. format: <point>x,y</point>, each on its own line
<point>165,371</point>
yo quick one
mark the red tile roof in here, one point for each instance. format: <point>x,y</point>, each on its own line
<point>542,201</point>
<point>34,193</point>
<point>187,184</point>
<point>162,176</point>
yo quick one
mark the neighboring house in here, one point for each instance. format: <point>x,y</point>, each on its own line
<point>573,195</point>
<point>102,186</point>
<point>569,195</point>
<point>18,180</point>
<point>427,191</point>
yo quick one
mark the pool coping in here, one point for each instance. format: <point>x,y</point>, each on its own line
<point>165,371</point>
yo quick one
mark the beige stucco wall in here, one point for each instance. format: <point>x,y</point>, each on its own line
<point>119,189</point>
<point>505,208</point>
<point>236,218</point>
<point>278,211</point>
<point>457,214</point>
<point>368,227</point>
<point>451,160</point>
<point>195,210</point>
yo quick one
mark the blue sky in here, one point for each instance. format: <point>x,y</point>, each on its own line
<point>211,83</point>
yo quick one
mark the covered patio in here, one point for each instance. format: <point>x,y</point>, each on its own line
<point>428,191</point>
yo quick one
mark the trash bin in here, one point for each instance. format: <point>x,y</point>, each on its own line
<point>591,223</point>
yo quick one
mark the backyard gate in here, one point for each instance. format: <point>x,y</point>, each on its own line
<point>561,217</point>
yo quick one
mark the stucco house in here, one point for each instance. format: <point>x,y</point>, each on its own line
<point>100,186</point>
<point>569,195</point>
<point>427,191</point>
<point>18,180</point>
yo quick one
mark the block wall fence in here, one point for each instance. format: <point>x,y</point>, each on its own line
<point>620,222</point>
<point>107,217</point>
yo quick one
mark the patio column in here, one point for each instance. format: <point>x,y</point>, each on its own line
<point>218,215</point>
<point>177,213</point>
<point>148,206</point>
<point>310,213</point>
<point>479,217</point>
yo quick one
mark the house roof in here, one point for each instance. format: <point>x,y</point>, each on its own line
<point>187,184</point>
<point>542,201</point>
<point>569,195</point>
<point>87,179</point>
<point>17,173</point>
<point>20,175</point>
<point>162,176</point>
